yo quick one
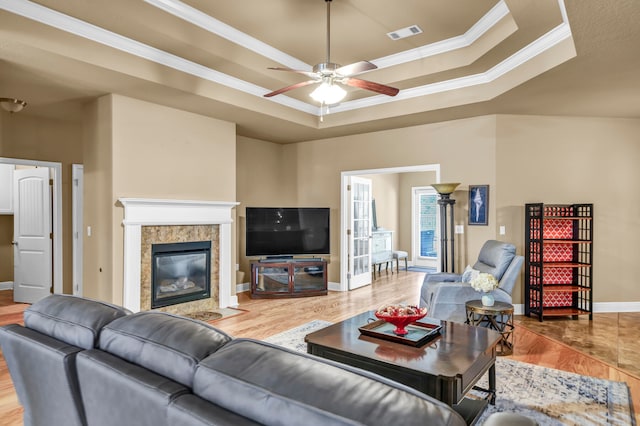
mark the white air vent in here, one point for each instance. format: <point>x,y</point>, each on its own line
<point>404,32</point>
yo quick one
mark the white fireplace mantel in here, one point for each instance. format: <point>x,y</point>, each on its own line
<point>140,212</point>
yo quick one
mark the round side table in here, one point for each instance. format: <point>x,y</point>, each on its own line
<point>498,317</point>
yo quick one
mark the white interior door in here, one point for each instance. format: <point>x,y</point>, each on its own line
<point>32,235</point>
<point>360,232</point>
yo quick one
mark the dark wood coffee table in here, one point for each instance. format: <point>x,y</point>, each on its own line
<point>446,368</point>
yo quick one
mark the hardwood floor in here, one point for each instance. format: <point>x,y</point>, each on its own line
<point>267,317</point>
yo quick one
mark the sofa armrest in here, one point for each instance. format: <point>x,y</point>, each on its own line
<point>446,300</point>
<point>442,277</point>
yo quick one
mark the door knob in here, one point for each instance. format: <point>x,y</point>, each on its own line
<point>15,243</point>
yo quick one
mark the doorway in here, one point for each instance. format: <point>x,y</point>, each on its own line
<point>345,253</point>
<point>425,221</point>
<point>56,177</point>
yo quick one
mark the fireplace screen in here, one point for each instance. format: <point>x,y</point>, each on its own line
<point>181,272</point>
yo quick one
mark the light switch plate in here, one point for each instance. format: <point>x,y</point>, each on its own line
<point>459,229</point>
<point>503,230</point>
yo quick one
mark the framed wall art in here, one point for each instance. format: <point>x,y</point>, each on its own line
<point>478,204</point>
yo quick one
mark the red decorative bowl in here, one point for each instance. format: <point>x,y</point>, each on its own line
<point>401,321</point>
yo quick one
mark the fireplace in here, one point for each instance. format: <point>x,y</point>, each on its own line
<point>180,272</point>
<point>145,222</point>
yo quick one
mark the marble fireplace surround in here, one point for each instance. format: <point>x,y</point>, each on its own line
<point>139,212</point>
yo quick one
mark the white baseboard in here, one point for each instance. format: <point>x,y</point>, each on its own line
<point>233,302</point>
<point>6,285</point>
<point>601,307</point>
<point>616,307</point>
<point>518,309</point>
<point>333,286</point>
<point>240,288</point>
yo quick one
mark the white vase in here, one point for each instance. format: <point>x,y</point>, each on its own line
<point>488,299</point>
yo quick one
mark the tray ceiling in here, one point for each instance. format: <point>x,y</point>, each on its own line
<point>212,57</point>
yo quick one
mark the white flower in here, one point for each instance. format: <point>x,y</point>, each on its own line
<point>484,282</point>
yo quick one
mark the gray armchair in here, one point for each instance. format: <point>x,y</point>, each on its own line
<point>444,294</point>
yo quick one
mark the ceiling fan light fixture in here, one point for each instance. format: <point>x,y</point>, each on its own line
<point>12,105</point>
<point>328,94</point>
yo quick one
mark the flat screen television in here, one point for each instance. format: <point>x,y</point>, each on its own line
<point>287,231</point>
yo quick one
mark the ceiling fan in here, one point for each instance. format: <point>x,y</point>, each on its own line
<point>328,74</point>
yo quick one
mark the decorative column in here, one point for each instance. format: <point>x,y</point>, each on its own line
<point>447,225</point>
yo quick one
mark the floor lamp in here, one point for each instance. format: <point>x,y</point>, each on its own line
<point>447,226</point>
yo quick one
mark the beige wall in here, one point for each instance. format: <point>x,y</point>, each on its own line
<point>385,190</point>
<point>156,152</point>
<point>263,180</point>
<point>522,159</point>
<point>35,138</point>
<point>98,272</point>
<point>576,160</point>
<point>137,149</point>
<point>439,143</point>
<point>318,166</point>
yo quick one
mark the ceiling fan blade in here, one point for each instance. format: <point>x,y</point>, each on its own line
<point>370,85</point>
<point>293,86</point>
<point>355,68</point>
<point>307,73</point>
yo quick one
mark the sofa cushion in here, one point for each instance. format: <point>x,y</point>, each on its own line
<point>495,257</point>
<point>115,392</point>
<point>44,376</point>
<point>194,411</point>
<point>73,320</point>
<point>311,391</point>
<point>167,344</point>
<point>469,274</point>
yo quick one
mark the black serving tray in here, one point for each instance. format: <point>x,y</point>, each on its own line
<point>418,334</point>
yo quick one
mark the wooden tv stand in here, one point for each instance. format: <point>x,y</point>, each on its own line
<point>288,278</point>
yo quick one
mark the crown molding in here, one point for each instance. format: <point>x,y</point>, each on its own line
<point>488,21</point>
<point>209,23</point>
<point>108,38</point>
<point>537,47</point>
<point>212,25</point>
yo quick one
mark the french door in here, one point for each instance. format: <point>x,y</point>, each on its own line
<point>426,225</point>
<point>359,234</point>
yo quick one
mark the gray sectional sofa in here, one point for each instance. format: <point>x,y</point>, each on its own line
<point>82,362</point>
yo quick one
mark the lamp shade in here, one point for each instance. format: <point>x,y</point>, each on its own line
<point>445,188</point>
<point>12,105</point>
<point>328,93</point>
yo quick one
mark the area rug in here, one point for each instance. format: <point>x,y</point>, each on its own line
<point>210,316</point>
<point>204,315</point>
<point>551,397</point>
<point>421,269</point>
